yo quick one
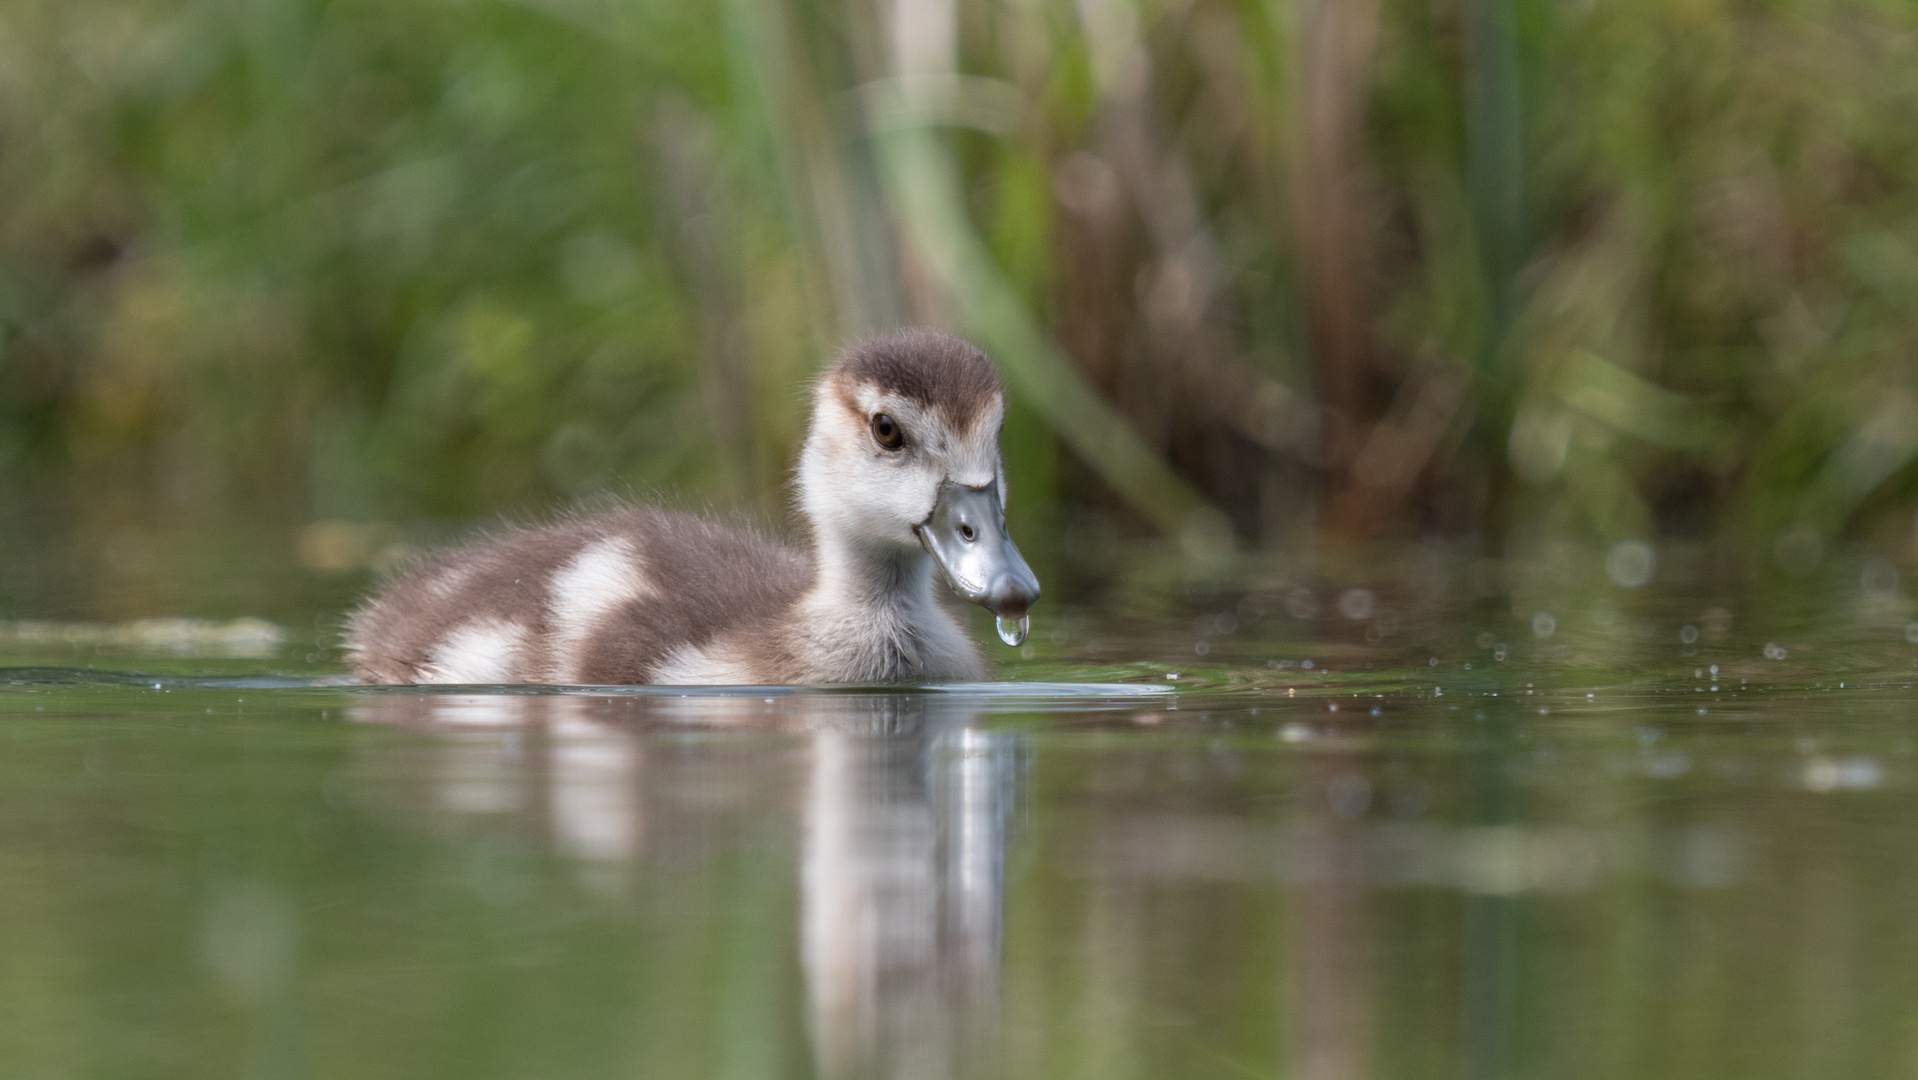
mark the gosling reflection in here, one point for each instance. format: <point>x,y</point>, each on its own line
<point>902,890</point>
<point>902,811</point>
<point>555,761</point>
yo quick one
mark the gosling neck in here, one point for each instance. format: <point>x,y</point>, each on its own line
<point>881,578</point>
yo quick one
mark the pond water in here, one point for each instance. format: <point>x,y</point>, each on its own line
<point>1644,835</point>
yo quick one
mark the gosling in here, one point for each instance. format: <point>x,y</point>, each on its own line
<point>900,476</point>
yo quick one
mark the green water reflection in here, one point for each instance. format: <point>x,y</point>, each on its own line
<point>1376,866</point>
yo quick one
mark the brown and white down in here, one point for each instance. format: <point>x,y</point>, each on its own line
<point>900,477</point>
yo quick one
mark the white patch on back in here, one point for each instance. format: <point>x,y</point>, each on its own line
<point>714,665</point>
<point>481,652</point>
<point>605,576</point>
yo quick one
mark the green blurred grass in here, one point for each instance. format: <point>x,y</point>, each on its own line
<point>1510,269</point>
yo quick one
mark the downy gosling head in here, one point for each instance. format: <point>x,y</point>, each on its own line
<point>901,484</point>
<point>902,465</point>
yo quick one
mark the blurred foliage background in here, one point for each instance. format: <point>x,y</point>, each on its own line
<point>298,273</point>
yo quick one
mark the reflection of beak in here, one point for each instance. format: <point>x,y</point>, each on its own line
<point>966,535</point>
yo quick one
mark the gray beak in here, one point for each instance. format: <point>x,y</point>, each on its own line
<point>966,536</point>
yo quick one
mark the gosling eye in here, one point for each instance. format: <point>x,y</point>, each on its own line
<point>887,432</point>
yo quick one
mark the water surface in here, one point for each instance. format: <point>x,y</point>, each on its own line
<point>1229,843</point>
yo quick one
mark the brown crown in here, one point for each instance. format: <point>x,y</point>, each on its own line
<point>935,370</point>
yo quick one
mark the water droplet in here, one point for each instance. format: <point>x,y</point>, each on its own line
<point>1013,631</point>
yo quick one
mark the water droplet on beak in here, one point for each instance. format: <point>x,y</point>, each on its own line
<point>1013,631</point>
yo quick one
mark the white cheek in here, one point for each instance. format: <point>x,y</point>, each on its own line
<point>896,495</point>
<point>855,493</point>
